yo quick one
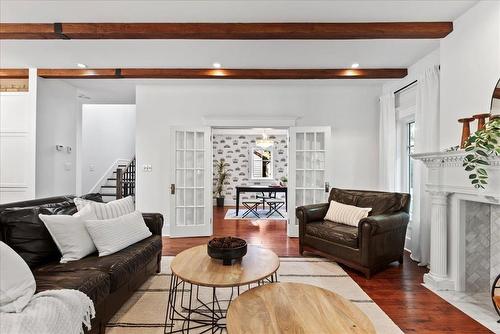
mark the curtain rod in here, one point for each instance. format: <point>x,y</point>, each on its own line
<point>411,83</point>
<point>404,87</point>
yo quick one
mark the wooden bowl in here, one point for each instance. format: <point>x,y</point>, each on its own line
<point>227,249</point>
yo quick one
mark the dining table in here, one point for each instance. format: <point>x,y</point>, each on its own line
<point>260,189</point>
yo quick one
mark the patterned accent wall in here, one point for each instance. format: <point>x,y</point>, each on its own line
<point>235,150</point>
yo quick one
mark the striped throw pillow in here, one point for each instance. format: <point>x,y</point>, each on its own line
<point>113,235</point>
<point>346,214</point>
<point>109,210</point>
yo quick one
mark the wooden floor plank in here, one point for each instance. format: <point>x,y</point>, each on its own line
<point>397,290</point>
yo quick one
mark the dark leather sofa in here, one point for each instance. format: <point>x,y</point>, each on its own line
<point>377,241</point>
<point>109,281</point>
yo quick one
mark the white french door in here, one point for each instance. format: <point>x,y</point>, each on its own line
<point>308,180</point>
<point>191,179</point>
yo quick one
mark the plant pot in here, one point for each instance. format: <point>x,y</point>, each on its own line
<point>220,202</point>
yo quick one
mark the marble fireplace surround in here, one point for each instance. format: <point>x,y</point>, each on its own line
<point>449,189</point>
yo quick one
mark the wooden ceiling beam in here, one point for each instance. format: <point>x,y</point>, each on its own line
<point>209,73</point>
<point>14,73</point>
<point>235,31</point>
<point>102,73</point>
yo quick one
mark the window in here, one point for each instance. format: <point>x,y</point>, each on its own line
<point>262,162</point>
<point>410,149</point>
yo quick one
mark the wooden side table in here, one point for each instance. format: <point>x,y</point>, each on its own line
<point>193,268</point>
<point>295,308</point>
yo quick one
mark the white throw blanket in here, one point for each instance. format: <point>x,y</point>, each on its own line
<point>51,312</point>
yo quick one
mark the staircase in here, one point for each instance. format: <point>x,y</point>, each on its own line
<point>120,184</point>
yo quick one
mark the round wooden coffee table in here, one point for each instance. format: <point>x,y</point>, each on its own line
<point>295,308</point>
<point>193,271</point>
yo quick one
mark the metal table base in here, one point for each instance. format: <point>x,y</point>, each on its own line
<point>187,312</point>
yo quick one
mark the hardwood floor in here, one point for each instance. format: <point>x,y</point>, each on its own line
<point>397,290</point>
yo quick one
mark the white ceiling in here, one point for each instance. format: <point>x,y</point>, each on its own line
<point>102,91</point>
<point>231,54</point>
<point>231,11</point>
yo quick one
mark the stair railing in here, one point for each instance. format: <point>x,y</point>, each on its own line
<point>125,180</point>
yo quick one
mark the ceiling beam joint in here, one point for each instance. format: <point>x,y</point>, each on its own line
<point>58,30</point>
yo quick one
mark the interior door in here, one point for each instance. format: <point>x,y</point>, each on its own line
<point>191,185</point>
<point>309,175</point>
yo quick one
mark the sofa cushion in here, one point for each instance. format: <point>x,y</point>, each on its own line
<point>94,283</point>
<point>335,232</point>
<point>119,266</point>
<point>27,234</point>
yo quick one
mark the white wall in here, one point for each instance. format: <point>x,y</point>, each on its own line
<point>351,109</point>
<point>470,68</point>
<point>56,125</point>
<point>17,143</point>
<point>108,134</point>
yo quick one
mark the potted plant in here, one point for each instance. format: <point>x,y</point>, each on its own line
<point>283,181</point>
<point>481,145</point>
<point>222,175</point>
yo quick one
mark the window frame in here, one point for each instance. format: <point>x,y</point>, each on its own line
<point>405,117</point>
<point>251,163</point>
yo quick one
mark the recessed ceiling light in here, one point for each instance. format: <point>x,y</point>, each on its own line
<point>80,65</point>
<point>355,65</point>
<point>216,65</point>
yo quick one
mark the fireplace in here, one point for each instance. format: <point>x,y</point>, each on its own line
<point>465,232</point>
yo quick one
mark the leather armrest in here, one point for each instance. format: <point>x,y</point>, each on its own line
<point>154,222</point>
<point>310,213</point>
<point>384,223</point>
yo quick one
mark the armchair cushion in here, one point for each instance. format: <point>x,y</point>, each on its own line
<point>382,203</point>
<point>335,232</point>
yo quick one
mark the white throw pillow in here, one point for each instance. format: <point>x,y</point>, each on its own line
<point>115,234</point>
<point>17,284</point>
<point>346,214</point>
<point>113,209</point>
<point>70,234</point>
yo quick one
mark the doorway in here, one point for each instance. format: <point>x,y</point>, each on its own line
<point>294,158</point>
<point>251,175</point>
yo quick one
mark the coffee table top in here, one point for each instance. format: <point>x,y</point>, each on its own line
<point>195,266</point>
<point>294,308</point>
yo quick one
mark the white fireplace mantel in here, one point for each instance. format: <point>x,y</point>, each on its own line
<point>449,186</point>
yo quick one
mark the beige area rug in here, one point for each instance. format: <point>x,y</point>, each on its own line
<point>145,312</point>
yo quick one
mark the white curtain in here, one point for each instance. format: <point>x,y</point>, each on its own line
<point>387,143</point>
<point>426,140</point>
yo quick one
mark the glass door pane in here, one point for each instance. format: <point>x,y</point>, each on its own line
<point>190,207</point>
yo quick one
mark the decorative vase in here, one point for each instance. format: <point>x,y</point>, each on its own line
<point>465,130</point>
<point>227,249</point>
<point>481,120</point>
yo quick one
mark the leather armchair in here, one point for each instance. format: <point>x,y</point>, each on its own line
<point>377,241</point>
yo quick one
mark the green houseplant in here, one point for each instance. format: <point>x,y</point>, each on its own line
<point>222,175</point>
<point>481,145</point>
